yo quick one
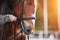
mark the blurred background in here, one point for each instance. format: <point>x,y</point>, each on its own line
<point>39,16</point>
<point>52,12</point>
<point>52,29</point>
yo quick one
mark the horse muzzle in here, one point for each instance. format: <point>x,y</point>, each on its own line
<point>27,28</point>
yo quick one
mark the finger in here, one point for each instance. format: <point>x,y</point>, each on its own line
<point>12,18</point>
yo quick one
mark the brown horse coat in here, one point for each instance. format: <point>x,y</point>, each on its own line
<point>28,10</point>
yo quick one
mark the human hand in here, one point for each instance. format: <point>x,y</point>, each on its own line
<point>12,18</point>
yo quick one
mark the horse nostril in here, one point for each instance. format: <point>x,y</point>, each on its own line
<point>28,30</point>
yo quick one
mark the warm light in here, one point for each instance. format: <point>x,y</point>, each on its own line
<point>59,15</point>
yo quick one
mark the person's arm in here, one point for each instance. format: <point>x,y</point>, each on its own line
<point>7,18</point>
<point>4,19</point>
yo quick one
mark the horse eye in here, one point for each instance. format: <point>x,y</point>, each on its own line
<point>29,3</point>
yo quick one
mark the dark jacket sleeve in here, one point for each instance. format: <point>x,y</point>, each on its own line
<point>4,19</point>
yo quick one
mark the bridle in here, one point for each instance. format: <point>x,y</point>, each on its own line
<point>20,21</point>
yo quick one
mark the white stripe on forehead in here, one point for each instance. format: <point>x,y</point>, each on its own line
<point>33,21</point>
<point>35,3</point>
<point>34,14</point>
